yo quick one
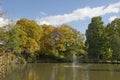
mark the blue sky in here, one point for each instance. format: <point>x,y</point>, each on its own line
<point>76,13</point>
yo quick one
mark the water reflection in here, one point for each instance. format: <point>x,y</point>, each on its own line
<point>11,70</point>
<point>57,71</point>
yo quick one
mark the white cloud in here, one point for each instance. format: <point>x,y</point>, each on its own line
<point>80,14</point>
<point>43,13</point>
<point>4,22</point>
<point>112,18</point>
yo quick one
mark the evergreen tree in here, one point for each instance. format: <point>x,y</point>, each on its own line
<point>113,34</point>
<point>95,39</point>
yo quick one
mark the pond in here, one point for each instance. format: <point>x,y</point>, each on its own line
<point>66,71</point>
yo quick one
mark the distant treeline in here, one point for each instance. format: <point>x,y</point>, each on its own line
<point>102,41</point>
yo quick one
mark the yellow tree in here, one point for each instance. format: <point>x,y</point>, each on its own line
<point>61,42</point>
<point>45,41</point>
<point>71,41</point>
<point>30,34</point>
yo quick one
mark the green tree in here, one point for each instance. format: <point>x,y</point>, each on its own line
<point>5,35</point>
<point>113,34</point>
<point>13,40</point>
<point>95,39</point>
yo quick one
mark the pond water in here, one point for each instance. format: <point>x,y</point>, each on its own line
<point>65,71</point>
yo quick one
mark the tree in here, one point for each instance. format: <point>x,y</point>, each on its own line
<point>71,41</point>
<point>46,41</point>
<point>5,34</point>
<point>113,34</point>
<point>30,34</point>
<point>95,39</point>
<point>61,42</point>
<point>14,40</point>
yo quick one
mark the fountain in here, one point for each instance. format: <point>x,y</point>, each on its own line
<point>74,60</point>
<point>74,63</point>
